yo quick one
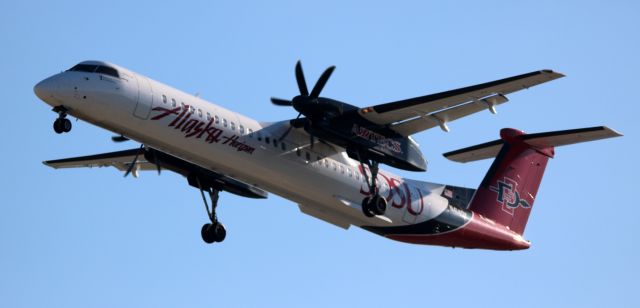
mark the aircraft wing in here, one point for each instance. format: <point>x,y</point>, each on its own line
<point>147,159</point>
<point>121,160</point>
<point>420,113</point>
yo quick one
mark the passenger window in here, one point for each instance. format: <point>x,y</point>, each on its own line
<point>208,116</point>
<point>349,172</point>
<point>182,105</point>
<point>217,119</point>
<point>199,113</point>
<point>282,146</point>
<point>233,126</point>
<point>241,129</point>
<point>250,133</point>
<point>173,102</point>
<point>259,136</point>
<point>267,140</point>
<point>164,99</point>
<point>224,122</point>
<point>275,142</point>
<point>298,151</point>
<point>308,156</point>
<point>335,167</point>
<point>191,109</point>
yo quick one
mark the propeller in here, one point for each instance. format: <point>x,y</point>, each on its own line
<point>156,161</point>
<point>135,160</point>
<point>133,163</point>
<point>122,138</point>
<point>290,128</point>
<point>306,103</point>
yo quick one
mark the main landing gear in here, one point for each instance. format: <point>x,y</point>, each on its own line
<point>61,124</point>
<point>375,204</point>
<point>214,231</point>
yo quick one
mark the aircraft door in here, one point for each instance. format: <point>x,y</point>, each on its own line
<point>145,98</point>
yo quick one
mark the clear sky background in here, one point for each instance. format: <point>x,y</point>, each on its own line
<point>91,238</point>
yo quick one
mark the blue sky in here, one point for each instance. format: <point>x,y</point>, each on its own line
<point>91,238</point>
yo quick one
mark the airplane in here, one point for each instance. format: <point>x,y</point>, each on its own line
<point>326,159</point>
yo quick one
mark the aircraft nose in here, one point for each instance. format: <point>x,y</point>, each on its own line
<point>46,89</point>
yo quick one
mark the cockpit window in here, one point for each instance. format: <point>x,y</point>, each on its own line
<point>84,68</point>
<point>90,68</point>
<point>110,71</point>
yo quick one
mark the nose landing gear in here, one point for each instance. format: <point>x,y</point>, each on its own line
<point>214,231</point>
<point>61,124</point>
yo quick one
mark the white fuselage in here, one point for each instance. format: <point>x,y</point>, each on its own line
<point>322,179</point>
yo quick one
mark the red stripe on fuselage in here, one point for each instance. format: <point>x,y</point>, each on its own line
<point>477,233</point>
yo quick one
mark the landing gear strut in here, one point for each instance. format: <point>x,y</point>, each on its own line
<point>214,231</point>
<point>375,204</point>
<point>61,124</point>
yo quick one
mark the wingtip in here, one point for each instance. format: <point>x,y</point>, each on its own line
<point>552,72</point>
<point>614,132</point>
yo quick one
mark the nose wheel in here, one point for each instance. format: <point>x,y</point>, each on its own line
<point>211,232</point>
<point>61,124</point>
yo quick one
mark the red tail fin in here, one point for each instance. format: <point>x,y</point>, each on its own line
<point>507,193</point>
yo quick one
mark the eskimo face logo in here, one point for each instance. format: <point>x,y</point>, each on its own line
<point>508,195</point>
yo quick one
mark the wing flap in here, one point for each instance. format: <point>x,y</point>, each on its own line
<point>441,118</point>
<point>121,160</point>
<point>389,113</point>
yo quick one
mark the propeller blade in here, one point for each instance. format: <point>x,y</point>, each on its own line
<point>281,102</point>
<point>322,81</point>
<point>120,138</point>
<point>289,129</point>
<point>133,163</point>
<point>157,162</point>
<point>302,84</point>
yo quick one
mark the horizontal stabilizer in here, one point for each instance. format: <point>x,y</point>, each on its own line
<point>537,140</point>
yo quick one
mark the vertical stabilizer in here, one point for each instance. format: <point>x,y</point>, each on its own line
<point>508,191</point>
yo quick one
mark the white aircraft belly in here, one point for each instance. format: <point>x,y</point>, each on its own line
<point>330,195</point>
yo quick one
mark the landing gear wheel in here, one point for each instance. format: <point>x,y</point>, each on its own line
<point>366,209</point>
<point>219,232</point>
<point>373,206</point>
<point>66,125</point>
<point>214,231</point>
<point>378,205</point>
<point>207,236</point>
<point>57,126</point>
<point>61,124</point>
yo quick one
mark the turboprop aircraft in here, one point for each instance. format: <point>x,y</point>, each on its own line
<point>327,161</point>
